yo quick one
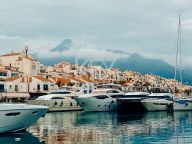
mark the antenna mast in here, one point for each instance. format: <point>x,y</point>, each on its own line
<point>26,50</point>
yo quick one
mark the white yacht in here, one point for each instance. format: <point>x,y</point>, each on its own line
<point>61,100</point>
<point>100,100</point>
<point>182,104</point>
<point>17,117</point>
<point>158,102</point>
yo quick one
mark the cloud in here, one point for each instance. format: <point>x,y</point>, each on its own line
<point>118,52</point>
<point>82,49</point>
<point>98,28</point>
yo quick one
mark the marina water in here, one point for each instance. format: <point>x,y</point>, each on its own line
<point>107,127</point>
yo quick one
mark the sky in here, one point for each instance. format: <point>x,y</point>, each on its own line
<point>97,28</point>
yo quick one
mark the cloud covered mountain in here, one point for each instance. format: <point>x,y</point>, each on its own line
<point>63,46</point>
<point>133,62</point>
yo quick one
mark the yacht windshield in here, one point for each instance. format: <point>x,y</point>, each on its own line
<point>98,92</point>
<point>117,96</point>
<point>127,96</point>
<point>101,97</point>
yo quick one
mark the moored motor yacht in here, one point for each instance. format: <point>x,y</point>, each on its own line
<point>99,101</point>
<point>131,101</point>
<point>17,117</point>
<point>158,102</point>
<point>182,104</point>
<point>61,100</point>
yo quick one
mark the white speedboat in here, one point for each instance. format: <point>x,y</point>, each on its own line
<point>17,117</point>
<point>158,102</point>
<point>182,104</point>
<point>61,100</point>
<point>99,102</point>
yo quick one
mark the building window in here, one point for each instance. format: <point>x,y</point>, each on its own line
<point>45,87</point>
<point>16,88</point>
<point>1,87</point>
<point>33,67</point>
<point>3,74</point>
<point>10,86</point>
<point>38,87</point>
<point>14,74</point>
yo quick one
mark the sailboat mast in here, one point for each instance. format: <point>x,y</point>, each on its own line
<point>180,54</point>
<point>178,47</point>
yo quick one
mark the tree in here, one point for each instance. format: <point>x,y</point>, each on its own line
<point>71,84</point>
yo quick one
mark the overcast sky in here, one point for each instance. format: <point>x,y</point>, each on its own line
<point>147,27</point>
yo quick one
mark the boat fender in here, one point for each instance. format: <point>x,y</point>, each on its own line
<point>43,115</point>
<point>169,105</point>
<point>186,104</point>
<point>61,103</point>
<point>55,103</point>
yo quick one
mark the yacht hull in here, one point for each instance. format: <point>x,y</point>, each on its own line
<point>58,105</point>
<point>93,104</point>
<point>157,106</point>
<point>19,117</point>
<point>130,105</point>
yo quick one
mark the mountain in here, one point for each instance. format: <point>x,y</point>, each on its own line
<point>138,63</point>
<point>134,62</point>
<point>63,46</point>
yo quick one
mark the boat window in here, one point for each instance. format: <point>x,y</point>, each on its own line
<point>66,92</point>
<point>112,91</point>
<point>159,103</point>
<point>101,97</point>
<point>162,97</point>
<point>57,98</point>
<point>135,96</point>
<point>87,91</point>
<point>34,112</point>
<point>117,96</point>
<point>13,114</point>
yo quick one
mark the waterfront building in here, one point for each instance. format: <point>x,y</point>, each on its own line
<point>21,62</point>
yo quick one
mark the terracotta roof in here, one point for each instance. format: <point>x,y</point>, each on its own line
<point>75,79</point>
<point>11,78</point>
<point>11,54</point>
<point>61,80</point>
<point>86,78</point>
<point>1,79</point>
<point>2,70</point>
<point>30,58</point>
<point>42,79</point>
<point>20,59</point>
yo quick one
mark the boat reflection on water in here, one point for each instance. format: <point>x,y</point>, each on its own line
<point>114,127</point>
<point>20,138</point>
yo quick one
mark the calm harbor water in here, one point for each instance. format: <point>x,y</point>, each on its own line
<point>107,127</point>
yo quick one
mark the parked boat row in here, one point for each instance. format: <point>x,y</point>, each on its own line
<point>109,99</point>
